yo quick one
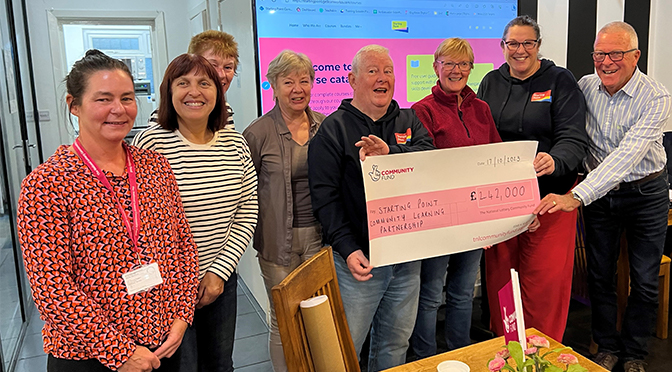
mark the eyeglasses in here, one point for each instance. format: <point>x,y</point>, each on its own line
<point>614,56</point>
<point>449,66</point>
<point>527,44</point>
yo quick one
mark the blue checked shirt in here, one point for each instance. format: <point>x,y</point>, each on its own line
<point>625,133</point>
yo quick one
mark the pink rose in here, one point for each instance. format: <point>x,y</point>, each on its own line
<point>538,341</point>
<point>568,359</point>
<point>496,364</point>
<point>530,351</point>
<point>504,354</point>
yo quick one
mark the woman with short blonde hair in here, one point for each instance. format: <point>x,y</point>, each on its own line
<point>454,117</point>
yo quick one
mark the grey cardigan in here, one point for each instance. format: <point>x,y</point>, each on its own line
<point>268,138</point>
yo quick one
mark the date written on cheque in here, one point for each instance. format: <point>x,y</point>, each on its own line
<point>511,192</point>
<point>498,161</point>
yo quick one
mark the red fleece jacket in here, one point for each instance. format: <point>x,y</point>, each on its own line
<point>453,126</point>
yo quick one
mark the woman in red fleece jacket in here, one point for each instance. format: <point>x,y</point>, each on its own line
<point>454,117</point>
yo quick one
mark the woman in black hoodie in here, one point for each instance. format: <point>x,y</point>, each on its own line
<point>533,99</point>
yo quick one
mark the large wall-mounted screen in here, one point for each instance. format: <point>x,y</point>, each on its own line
<point>331,31</point>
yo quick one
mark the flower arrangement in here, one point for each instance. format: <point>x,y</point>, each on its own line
<point>529,360</point>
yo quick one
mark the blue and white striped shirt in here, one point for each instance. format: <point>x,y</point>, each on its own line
<point>625,133</point>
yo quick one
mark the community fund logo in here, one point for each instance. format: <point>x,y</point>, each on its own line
<point>387,174</point>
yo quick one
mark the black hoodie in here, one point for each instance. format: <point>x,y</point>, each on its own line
<point>335,173</point>
<point>522,110</point>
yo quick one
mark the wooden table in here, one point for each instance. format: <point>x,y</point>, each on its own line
<point>478,355</point>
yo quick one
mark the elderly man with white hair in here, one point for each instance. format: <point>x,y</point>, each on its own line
<point>384,299</point>
<point>626,189</point>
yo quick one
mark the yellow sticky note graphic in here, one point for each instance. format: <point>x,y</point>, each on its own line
<point>400,26</point>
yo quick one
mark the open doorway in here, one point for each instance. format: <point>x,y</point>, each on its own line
<point>135,38</point>
<point>130,44</point>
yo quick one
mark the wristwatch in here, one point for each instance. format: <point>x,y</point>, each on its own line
<point>577,198</point>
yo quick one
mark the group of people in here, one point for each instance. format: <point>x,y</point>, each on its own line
<point>131,251</point>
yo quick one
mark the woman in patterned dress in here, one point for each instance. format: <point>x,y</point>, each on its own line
<point>107,248</point>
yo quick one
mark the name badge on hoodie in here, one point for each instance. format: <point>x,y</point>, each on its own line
<point>541,96</point>
<point>405,138</point>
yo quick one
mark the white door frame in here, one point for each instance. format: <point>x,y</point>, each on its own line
<point>199,13</point>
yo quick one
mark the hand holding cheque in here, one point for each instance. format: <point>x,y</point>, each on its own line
<point>451,200</point>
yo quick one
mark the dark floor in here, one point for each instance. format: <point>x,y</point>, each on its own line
<point>577,336</point>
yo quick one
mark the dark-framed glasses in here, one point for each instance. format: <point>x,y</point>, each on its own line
<point>527,44</point>
<point>614,56</point>
<point>449,66</point>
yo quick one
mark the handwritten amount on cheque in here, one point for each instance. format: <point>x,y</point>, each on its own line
<point>451,207</point>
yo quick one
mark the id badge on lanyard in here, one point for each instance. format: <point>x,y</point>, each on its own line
<point>141,277</point>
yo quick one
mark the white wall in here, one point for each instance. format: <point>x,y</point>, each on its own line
<point>608,11</point>
<point>552,17</point>
<point>236,18</point>
<point>660,53</point>
<point>57,131</point>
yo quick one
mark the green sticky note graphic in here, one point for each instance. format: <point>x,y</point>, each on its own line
<point>420,76</point>
<point>477,74</point>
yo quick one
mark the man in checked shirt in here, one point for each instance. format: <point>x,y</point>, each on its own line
<point>626,188</point>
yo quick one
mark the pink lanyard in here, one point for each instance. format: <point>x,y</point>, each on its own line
<point>135,230</point>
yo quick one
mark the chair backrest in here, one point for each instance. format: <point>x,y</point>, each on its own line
<point>315,277</point>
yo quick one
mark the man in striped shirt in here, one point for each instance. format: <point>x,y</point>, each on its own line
<point>626,188</point>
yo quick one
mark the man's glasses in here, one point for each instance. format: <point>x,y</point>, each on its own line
<point>614,56</point>
<point>449,66</point>
<point>527,44</point>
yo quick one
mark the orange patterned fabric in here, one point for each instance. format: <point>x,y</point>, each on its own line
<point>76,248</point>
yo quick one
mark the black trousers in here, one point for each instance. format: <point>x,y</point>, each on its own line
<point>54,364</point>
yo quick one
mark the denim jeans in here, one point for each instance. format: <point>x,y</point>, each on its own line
<point>462,269</point>
<point>207,345</point>
<point>387,303</point>
<point>641,211</point>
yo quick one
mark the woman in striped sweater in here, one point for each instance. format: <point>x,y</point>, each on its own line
<point>218,184</point>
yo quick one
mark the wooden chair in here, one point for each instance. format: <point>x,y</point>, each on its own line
<point>314,277</point>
